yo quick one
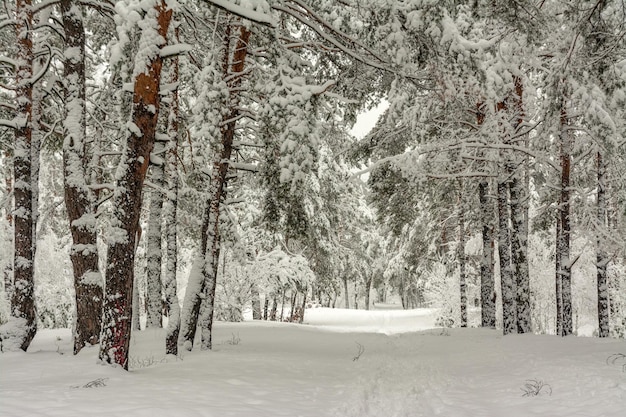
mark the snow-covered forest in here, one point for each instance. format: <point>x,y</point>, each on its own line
<point>168,165</point>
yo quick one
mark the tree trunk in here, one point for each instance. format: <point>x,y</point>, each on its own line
<point>8,181</point>
<point>265,307</point>
<point>345,292</point>
<point>172,307</point>
<point>487,281</point>
<point>461,256</point>
<point>154,252</point>
<point>519,244</point>
<point>274,308</point>
<point>23,312</point>
<point>509,320</point>
<point>256,303</point>
<point>519,212</point>
<point>117,309</point>
<point>368,288</point>
<point>602,259</point>
<point>79,199</point>
<point>233,72</point>
<point>303,308</point>
<point>564,267</point>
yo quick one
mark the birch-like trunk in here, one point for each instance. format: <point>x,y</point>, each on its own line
<point>487,280</point>
<point>79,199</point>
<point>602,259</point>
<point>564,269</point>
<point>23,313</point>
<point>130,176</point>
<point>507,283</point>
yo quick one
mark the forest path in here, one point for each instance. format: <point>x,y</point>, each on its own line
<point>383,318</point>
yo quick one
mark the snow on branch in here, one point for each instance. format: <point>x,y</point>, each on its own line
<point>175,50</point>
<point>245,12</point>
<point>244,167</point>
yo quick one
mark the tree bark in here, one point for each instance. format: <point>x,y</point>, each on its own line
<point>233,65</point>
<point>127,198</point>
<point>602,259</point>
<point>461,257</point>
<point>23,312</point>
<point>154,251</point>
<point>509,312</point>
<point>172,307</point>
<point>8,184</point>
<point>256,303</point>
<point>519,241</point>
<point>368,287</point>
<point>79,199</point>
<point>564,267</point>
<point>487,281</point>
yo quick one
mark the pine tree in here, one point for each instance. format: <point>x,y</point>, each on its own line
<point>130,176</point>
<point>79,198</point>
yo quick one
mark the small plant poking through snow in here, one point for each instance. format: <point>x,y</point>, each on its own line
<point>617,359</point>
<point>139,363</point>
<point>360,351</point>
<point>535,387</point>
<point>96,383</point>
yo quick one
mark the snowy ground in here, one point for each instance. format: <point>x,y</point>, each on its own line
<point>257,369</point>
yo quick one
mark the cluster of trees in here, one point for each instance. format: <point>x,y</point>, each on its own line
<point>221,126</point>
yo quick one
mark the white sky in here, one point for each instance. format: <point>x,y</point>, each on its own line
<point>366,121</point>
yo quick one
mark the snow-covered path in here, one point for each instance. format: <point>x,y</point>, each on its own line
<point>260,369</point>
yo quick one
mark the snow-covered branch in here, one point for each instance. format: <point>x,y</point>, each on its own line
<point>244,12</point>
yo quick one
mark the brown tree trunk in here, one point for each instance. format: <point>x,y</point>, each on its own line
<point>564,268</point>
<point>79,200</point>
<point>487,281</point>
<point>602,259</point>
<point>509,320</point>
<point>233,64</point>
<point>23,299</point>
<point>117,309</point>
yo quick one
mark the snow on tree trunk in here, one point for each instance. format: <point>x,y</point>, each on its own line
<point>519,250</point>
<point>346,295</point>
<point>256,303</point>
<point>79,199</point>
<point>519,229</point>
<point>509,311</point>
<point>8,184</point>
<point>170,209</point>
<point>23,320</point>
<point>602,259</point>
<point>233,64</point>
<point>461,257</point>
<point>154,303</point>
<point>564,268</point>
<point>487,280</point>
<point>130,176</point>
<point>368,288</point>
